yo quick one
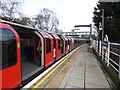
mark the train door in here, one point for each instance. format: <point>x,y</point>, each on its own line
<point>54,50</point>
<point>62,46</point>
<point>37,50</point>
<point>69,44</point>
<point>57,48</point>
<point>49,59</point>
<point>10,69</point>
<point>66,46</point>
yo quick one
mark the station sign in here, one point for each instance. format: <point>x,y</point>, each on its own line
<point>105,43</point>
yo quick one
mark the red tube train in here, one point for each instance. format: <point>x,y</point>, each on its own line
<point>26,51</point>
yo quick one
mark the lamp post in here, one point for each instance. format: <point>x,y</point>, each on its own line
<point>102,22</point>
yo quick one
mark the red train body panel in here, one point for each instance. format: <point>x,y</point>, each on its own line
<point>11,75</point>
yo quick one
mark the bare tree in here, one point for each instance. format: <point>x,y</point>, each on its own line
<point>47,20</point>
<point>25,20</point>
<point>54,22</point>
<point>10,8</point>
<point>38,21</point>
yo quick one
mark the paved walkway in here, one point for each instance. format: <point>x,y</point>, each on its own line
<point>85,72</point>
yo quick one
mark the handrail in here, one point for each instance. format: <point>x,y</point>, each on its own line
<point>106,55</point>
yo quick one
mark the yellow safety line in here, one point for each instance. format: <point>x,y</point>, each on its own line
<point>39,83</point>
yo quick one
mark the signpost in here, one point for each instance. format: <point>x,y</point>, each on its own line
<point>106,49</point>
<point>105,43</point>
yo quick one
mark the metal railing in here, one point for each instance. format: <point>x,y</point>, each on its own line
<point>110,54</point>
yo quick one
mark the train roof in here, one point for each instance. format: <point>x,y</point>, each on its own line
<point>19,25</point>
<point>24,26</point>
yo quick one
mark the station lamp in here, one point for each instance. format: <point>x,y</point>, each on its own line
<point>98,10</point>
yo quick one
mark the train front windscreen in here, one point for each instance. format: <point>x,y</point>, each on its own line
<point>8,55</point>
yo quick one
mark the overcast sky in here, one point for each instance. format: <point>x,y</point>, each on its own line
<point>70,12</point>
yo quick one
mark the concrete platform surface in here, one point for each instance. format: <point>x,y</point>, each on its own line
<point>85,72</point>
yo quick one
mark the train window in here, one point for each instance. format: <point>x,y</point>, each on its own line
<point>58,44</point>
<point>54,43</point>
<point>48,45</point>
<point>66,43</point>
<point>9,56</point>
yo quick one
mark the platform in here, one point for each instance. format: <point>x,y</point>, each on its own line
<point>80,70</point>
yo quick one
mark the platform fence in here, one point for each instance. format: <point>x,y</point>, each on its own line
<point>110,53</point>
